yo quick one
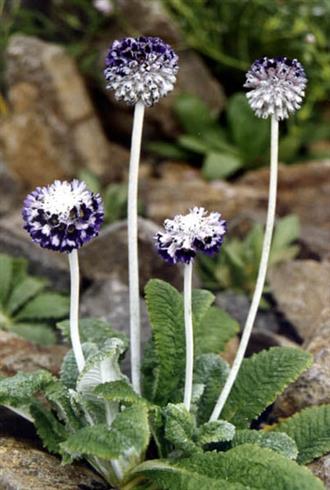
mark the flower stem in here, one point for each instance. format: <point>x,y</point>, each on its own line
<point>261,274</point>
<point>74,309</point>
<point>189,335</point>
<point>133,264</point>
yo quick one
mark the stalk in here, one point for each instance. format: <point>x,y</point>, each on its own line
<point>74,310</point>
<point>133,264</point>
<point>261,274</point>
<point>188,334</point>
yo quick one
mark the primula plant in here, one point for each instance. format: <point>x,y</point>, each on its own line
<point>166,432</point>
<point>27,307</point>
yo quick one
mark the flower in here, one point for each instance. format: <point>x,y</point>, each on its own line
<point>185,235</point>
<point>63,216</point>
<point>278,86</point>
<point>104,6</point>
<point>142,69</point>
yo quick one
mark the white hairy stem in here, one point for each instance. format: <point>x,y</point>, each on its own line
<point>188,334</point>
<point>74,310</point>
<point>133,263</point>
<point>261,274</point>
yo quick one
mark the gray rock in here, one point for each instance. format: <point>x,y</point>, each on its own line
<point>53,124</point>
<point>10,189</point>
<point>301,289</point>
<point>25,467</point>
<point>321,468</point>
<point>107,256</point>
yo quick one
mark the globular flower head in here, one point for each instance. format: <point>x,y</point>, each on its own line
<point>63,216</point>
<point>278,86</point>
<point>141,69</point>
<point>185,235</point>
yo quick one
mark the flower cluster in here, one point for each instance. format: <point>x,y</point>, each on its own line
<point>141,70</point>
<point>185,235</point>
<point>278,87</point>
<point>63,216</point>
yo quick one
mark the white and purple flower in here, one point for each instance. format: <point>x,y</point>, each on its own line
<point>185,235</point>
<point>141,69</point>
<point>278,87</point>
<point>63,216</point>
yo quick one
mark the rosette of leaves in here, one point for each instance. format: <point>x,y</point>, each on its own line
<point>151,441</point>
<point>27,308</point>
<point>237,266</point>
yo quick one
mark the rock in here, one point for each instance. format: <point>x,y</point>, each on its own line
<point>18,354</point>
<point>53,125</point>
<point>321,468</point>
<point>313,386</point>
<point>9,189</point>
<point>301,289</point>
<point>194,77</point>
<point>107,256</point>
<point>15,241</point>
<point>24,467</point>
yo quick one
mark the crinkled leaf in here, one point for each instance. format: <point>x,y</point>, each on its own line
<point>310,428</point>
<point>214,330</point>
<point>59,396</point>
<point>69,370</point>
<point>277,441</point>
<point>35,332</point>
<point>23,292</point>
<point>92,330</point>
<point>247,466</point>
<point>49,429</point>
<point>45,306</point>
<point>19,390</point>
<point>210,371</point>
<point>6,272</point>
<point>118,391</point>
<point>260,380</point>
<point>201,302</point>
<point>180,428</point>
<point>216,431</point>
<point>129,434</point>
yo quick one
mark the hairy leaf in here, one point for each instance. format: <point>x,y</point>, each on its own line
<point>310,428</point>
<point>23,292</point>
<point>180,428</point>
<point>247,466</point>
<point>19,390</point>
<point>118,391</point>
<point>201,302</point>
<point>35,332</point>
<point>44,307</point>
<point>92,330</point>
<point>59,396</point>
<point>129,434</point>
<point>49,429</point>
<point>216,431</point>
<point>277,441</point>
<point>260,380</point>
<point>210,371</point>
<point>213,331</point>
<point>69,369</point>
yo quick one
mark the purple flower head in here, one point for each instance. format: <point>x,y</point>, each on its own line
<point>63,216</point>
<point>141,69</point>
<point>278,87</point>
<point>185,235</point>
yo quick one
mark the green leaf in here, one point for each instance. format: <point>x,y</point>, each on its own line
<point>277,441</point>
<point>287,230</point>
<point>193,143</point>
<point>210,371</point>
<point>69,369</point>
<point>250,133</point>
<point>193,114</point>
<point>23,292</point>
<point>216,431</point>
<point>35,332</point>
<point>260,380</point>
<point>6,272</point>
<point>165,308</point>
<point>45,306</point>
<point>19,390</point>
<point>167,150</point>
<point>49,429</point>
<point>91,180</point>
<point>201,302</point>
<point>310,428</point>
<point>92,330</point>
<point>214,330</point>
<point>129,433</point>
<point>180,428</point>
<point>218,165</point>
<point>119,391</point>
<point>244,467</point>
<point>60,397</point>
